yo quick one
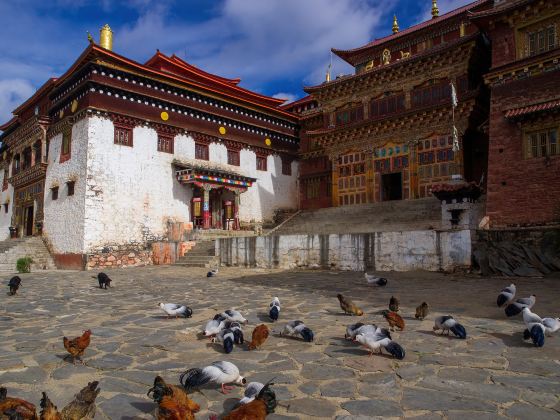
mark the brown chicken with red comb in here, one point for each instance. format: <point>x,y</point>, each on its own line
<point>260,334</point>
<point>15,408</point>
<point>263,404</point>
<point>77,346</point>
<point>173,402</point>
<point>394,320</point>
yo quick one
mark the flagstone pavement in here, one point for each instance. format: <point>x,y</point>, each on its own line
<point>493,374</point>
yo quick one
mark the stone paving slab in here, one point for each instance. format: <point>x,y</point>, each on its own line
<point>493,374</point>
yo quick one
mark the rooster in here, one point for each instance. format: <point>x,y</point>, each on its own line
<point>15,408</point>
<point>77,346</point>
<point>348,306</point>
<point>48,409</point>
<point>394,320</point>
<point>14,285</point>
<point>264,404</point>
<point>260,334</point>
<point>173,402</point>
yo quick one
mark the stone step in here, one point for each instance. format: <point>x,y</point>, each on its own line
<point>13,249</point>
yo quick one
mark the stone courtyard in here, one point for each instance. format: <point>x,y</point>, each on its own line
<point>493,374</point>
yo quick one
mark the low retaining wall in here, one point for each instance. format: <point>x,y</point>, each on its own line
<point>382,251</point>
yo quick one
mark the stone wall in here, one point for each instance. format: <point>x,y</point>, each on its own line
<point>382,251</point>
<point>120,256</point>
<point>5,217</point>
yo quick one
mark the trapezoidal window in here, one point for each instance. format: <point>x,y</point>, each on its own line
<point>165,143</point>
<point>233,157</point>
<point>201,151</point>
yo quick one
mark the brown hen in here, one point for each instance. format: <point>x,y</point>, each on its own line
<point>173,402</point>
<point>264,404</point>
<point>77,346</point>
<point>348,306</point>
<point>15,408</point>
<point>394,320</point>
<point>260,334</point>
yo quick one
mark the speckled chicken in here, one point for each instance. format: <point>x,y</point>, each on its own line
<point>394,320</point>
<point>348,306</point>
<point>394,304</point>
<point>422,311</point>
<point>83,404</point>
<point>48,409</point>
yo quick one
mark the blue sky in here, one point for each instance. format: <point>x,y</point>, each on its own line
<point>275,46</point>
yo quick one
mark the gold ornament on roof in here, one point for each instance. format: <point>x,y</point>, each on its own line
<point>386,56</point>
<point>90,38</point>
<point>435,10</point>
<point>369,65</point>
<point>405,54</point>
<point>74,105</point>
<point>222,130</point>
<point>106,37</point>
<point>268,142</point>
<point>395,24</point>
<point>164,116</point>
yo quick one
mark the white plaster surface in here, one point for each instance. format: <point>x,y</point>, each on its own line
<point>383,251</point>
<point>63,223</point>
<point>5,218</point>
<point>131,192</point>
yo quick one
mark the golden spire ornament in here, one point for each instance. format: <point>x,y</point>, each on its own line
<point>435,10</point>
<point>106,38</point>
<point>395,24</point>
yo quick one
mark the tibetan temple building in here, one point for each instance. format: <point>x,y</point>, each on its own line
<point>112,151</point>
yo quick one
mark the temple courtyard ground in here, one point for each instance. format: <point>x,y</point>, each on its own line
<point>493,374</point>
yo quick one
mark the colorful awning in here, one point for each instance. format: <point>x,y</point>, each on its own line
<point>192,174</point>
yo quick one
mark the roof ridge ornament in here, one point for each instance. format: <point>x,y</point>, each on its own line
<point>395,25</point>
<point>435,10</point>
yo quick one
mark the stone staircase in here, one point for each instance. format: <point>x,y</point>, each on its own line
<point>401,215</point>
<point>13,249</point>
<point>203,254</point>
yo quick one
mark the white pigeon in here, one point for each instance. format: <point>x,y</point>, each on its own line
<point>218,372</point>
<point>552,325</point>
<point>374,280</point>
<point>298,328</point>
<point>516,307</point>
<point>215,325</point>
<point>274,309</point>
<point>233,315</point>
<point>251,391</point>
<point>353,330</point>
<point>176,310</point>
<point>448,323</point>
<point>381,339</point>
<point>506,296</point>
<point>535,328</point>
<point>227,338</point>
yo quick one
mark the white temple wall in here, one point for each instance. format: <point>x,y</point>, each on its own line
<point>132,192</point>
<point>271,191</point>
<point>6,217</point>
<point>63,224</point>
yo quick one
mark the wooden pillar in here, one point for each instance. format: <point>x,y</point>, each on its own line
<point>43,150</point>
<point>206,207</point>
<point>413,170</point>
<point>236,210</point>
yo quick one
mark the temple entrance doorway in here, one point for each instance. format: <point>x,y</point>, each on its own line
<point>28,221</point>
<point>220,209</point>
<point>391,185</point>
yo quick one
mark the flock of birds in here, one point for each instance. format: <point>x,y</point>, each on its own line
<point>226,329</point>
<point>537,327</point>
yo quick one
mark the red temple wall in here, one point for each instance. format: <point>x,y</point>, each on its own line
<point>520,190</point>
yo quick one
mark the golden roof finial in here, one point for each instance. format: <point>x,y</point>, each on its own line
<point>106,37</point>
<point>395,24</point>
<point>435,10</point>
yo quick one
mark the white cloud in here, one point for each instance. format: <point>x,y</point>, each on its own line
<point>289,97</point>
<point>13,92</point>
<point>257,40</point>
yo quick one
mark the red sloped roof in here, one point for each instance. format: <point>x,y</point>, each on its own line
<point>213,84</point>
<point>531,109</point>
<point>180,67</point>
<point>8,124</point>
<point>306,99</point>
<point>43,89</point>
<point>348,55</point>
